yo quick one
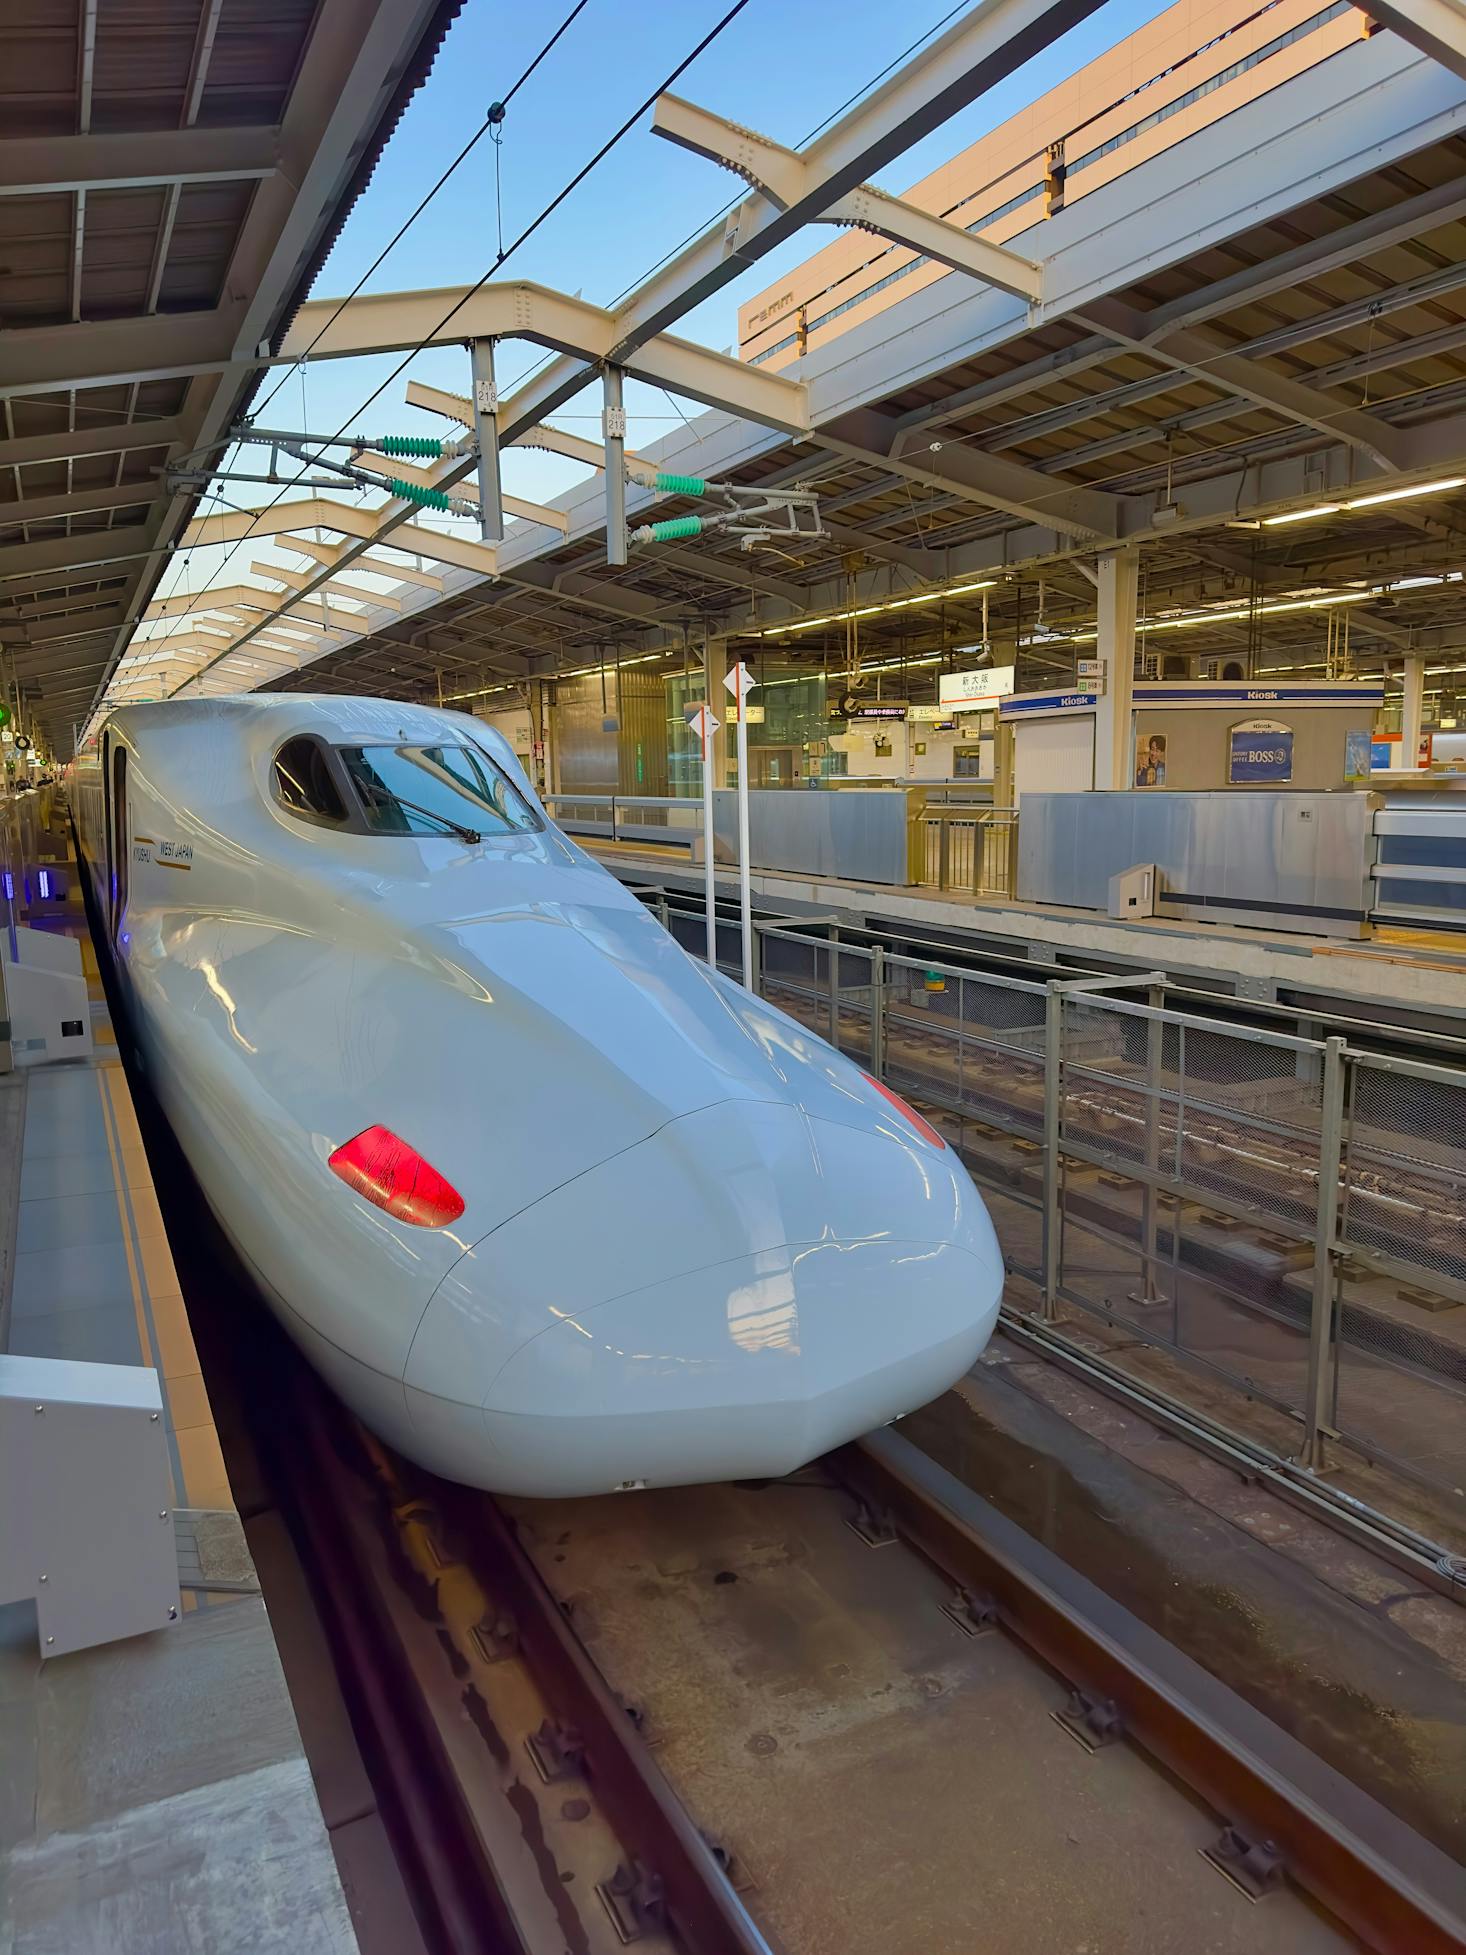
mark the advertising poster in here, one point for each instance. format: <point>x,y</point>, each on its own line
<point>1358,755</point>
<point>1150,759</point>
<point>1259,752</point>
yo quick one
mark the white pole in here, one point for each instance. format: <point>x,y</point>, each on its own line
<point>745,888</point>
<point>709,893</point>
<point>740,683</point>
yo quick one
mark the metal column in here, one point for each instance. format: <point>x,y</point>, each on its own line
<point>1323,1355</point>
<point>878,1011</point>
<point>1412,712</point>
<point>1053,1165</point>
<point>486,428</point>
<point>613,429</point>
<point>1150,1291</point>
<point>1118,587</point>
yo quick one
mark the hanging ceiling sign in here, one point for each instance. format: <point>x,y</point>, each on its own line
<point>1259,750</point>
<point>963,691</point>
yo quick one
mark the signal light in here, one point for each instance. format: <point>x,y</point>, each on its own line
<point>382,1168</point>
<point>908,1113</point>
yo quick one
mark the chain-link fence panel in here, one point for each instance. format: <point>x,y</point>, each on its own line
<point>1401,1350</point>
<point>972,1043</point>
<point>1231,1116</point>
<point>1179,1275</point>
<point>1404,1169</point>
<point>795,974</point>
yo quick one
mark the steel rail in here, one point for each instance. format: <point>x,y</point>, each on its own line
<point>1397,1892</point>
<point>701,1905</point>
<point>449,1873</point>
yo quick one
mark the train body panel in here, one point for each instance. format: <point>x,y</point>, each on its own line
<point>692,1236</point>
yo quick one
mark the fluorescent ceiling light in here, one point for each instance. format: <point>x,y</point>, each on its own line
<point>872,610</point>
<point>1400,495</point>
<point>1440,488</point>
<point>1303,515</point>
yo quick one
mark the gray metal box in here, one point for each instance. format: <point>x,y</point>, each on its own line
<point>86,1528</point>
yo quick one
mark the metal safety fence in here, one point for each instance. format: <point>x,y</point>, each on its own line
<point>1286,1216</point>
<point>968,849</point>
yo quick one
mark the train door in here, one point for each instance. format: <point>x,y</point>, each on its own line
<point>102,867</point>
<point>117,825</point>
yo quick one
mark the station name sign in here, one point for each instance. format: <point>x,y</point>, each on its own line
<point>963,692</point>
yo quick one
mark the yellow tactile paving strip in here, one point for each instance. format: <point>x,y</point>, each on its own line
<point>163,1326</point>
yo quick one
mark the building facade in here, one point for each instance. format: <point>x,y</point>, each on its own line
<point>1182,71</point>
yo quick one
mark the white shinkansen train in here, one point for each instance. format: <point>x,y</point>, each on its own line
<point>554,1208</point>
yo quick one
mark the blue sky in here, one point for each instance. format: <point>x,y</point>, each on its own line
<point>782,67</point>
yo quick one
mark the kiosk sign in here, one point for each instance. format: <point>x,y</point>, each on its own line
<point>1259,751</point>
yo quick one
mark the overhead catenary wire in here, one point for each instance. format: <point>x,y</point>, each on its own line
<point>625,127</point>
<point>504,252</point>
<point>490,126</point>
<point>493,117</point>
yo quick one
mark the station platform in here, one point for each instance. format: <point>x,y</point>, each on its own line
<point>1422,971</point>
<point>154,1792</point>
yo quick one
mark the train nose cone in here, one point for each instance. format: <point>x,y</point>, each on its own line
<point>740,1292</point>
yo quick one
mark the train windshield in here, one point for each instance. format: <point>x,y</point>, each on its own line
<point>434,791</point>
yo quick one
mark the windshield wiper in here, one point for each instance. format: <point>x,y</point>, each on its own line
<point>452,827</point>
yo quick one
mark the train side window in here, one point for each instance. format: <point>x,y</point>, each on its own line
<point>305,782</point>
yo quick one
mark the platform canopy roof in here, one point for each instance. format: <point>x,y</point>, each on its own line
<point>1246,356</point>
<point>172,175</point>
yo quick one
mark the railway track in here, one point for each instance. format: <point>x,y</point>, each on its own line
<point>511,1628</point>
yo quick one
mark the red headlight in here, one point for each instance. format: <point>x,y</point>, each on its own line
<point>908,1113</point>
<point>385,1170</point>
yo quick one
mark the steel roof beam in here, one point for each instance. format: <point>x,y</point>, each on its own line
<point>184,603</point>
<point>44,166</point>
<point>300,580</point>
<point>972,56</point>
<point>47,560</point>
<point>529,512</point>
<point>85,502</point>
<point>330,553</point>
<point>116,352</point>
<point>1204,354</point>
<point>404,321</point>
<point>120,438</point>
<point>873,437</point>
<point>789,180</point>
<point>556,440</point>
<point>1436,27</point>
<point>724,570</point>
<point>363,524</point>
<point>1316,257</point>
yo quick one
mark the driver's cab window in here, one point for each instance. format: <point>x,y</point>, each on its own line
<point>305,783</point>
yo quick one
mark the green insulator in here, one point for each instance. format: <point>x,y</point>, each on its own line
<point>419,493</point>
<point>681,485</point>
<point>426,445</point>
<point>675,527</point>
